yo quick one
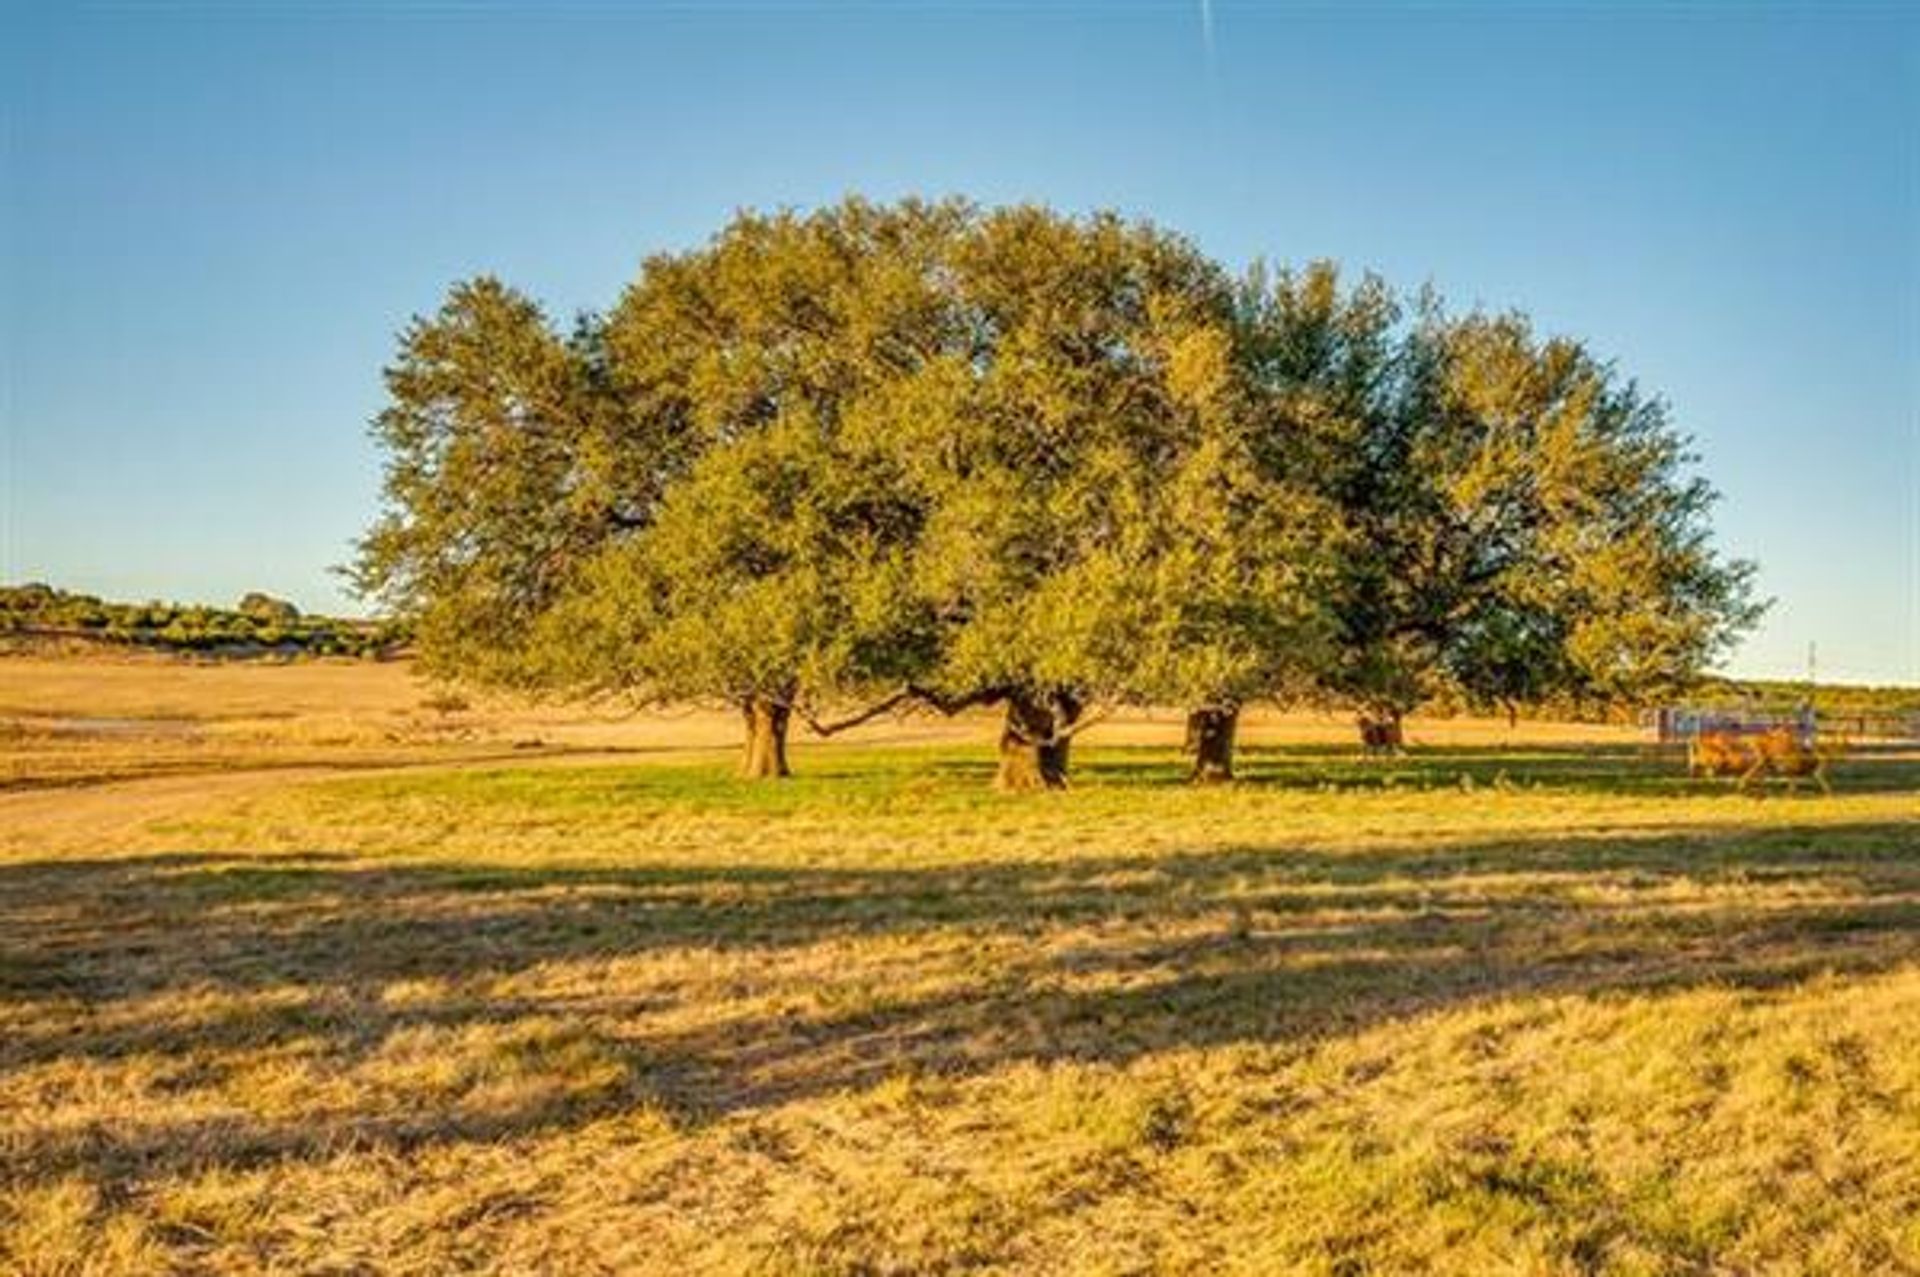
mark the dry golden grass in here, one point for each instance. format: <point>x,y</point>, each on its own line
<point>1493,1007</point>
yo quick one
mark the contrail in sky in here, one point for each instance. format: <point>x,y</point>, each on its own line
<point>1206,26</point>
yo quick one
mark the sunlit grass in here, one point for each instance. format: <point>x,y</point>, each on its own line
<point>1471,1011</point>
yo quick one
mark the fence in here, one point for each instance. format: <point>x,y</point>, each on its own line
<point>1682,723</point>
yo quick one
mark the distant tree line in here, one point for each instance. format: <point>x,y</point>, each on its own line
<point>258,624</point>
<point>1837,699</point>
<point>931,455</point>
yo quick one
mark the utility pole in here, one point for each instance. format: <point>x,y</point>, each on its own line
<point>1809,716</point>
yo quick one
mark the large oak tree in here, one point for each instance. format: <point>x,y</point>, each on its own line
<point>884,456</point>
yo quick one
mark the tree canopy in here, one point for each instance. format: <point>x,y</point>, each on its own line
<point>1520,521</point>
<point>928,454</point>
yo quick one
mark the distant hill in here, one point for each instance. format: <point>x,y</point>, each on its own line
<point>260,625</point>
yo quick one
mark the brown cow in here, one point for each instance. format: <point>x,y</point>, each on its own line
<point>1716,753</point>
<point>1751,757</point>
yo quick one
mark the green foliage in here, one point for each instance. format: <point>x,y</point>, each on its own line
<point>758,578</point>
<point>490,436</point>
<point>787,364</point>
<point>1836,699</point>
<point>41,611</point>
<point>1093,501</point>
<point>1012,455</point>
<point>1520,521</point>
<point>266,608</point>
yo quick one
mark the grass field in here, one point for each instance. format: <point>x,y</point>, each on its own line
<point>315,1000</point>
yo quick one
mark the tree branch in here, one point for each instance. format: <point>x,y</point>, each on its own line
<point>1060,736</point>
<point>868,714</point>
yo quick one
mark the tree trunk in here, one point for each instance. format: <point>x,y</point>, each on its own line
<point>765,756</point>
<point>1380,732</point>
<point>1030,756</point>
<point>1210,734</point>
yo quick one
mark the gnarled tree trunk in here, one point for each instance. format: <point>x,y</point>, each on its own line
<point>765,756</point>
<point>1380,731</point>
<point>1210,735</point>
<point>1033,753</point>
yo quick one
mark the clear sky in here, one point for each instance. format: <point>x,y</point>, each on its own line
<point>216,217</point>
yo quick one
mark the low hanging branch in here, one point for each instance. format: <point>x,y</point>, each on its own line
<point>911,694</point>
<point>866,715</point>
<point>951,705</point>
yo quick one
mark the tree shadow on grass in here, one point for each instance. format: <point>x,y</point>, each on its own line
<point>1099,959</point>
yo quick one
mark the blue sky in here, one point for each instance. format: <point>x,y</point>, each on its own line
<point>216,217</point>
